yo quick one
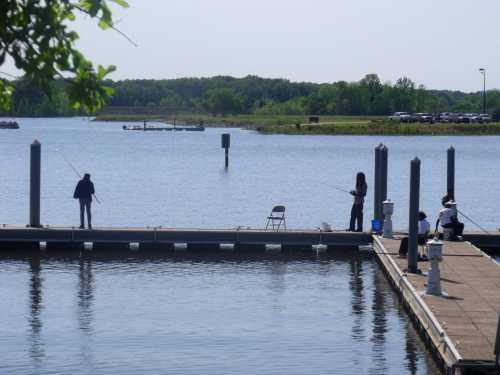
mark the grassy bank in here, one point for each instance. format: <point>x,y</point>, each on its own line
<point>384,128</point>
<point>251,121</point>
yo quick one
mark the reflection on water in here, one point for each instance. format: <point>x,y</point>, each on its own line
<point>197,313</point>
<point>85,295</point>
<point>35,322</point>
<point>379,321</point>
<point>411,352</point>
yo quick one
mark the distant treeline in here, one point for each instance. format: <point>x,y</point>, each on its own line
<point>261,96</point>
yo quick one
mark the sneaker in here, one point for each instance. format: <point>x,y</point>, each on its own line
<point>90,227</point>
<point>81,227</point>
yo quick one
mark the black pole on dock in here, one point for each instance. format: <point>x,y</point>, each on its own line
<point>450,180</point>
<point>383,179</point>
<point>226,143</point>
<point>35,164</point>
<point>376,185</point>
<point>413,218</point>
<point>497,344</point>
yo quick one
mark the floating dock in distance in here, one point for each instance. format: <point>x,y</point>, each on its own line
<point>164,128</point>
<point>12,236</point>
<point>462,327</point>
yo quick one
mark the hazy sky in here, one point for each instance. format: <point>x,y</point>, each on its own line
<point>439,43</point>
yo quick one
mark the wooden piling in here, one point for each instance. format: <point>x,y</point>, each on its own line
<point>450,173</point>
<point>383,177</point>
<point>377,207</point>
<point>226,143</point>
<point>35,174</point>
<point>413,216</point>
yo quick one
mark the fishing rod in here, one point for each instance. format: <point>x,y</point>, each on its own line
<point>336,188</point>
<point>473,222</point>
<point>367,205</point>
<point>75,170</point>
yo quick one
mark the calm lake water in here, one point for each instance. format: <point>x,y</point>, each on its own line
<point>194,314</point>
<point>177,179</point>
<point>205,315</point>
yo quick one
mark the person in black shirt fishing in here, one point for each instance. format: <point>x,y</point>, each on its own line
<point>83,192</point>
<point>359,199</point>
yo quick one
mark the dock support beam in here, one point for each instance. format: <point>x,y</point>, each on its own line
<point>413,218</point>
<point>450,175</point>
<point>35,165</point>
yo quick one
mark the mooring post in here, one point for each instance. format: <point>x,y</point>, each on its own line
<point>226,143</point>
<point>383,179</point>
<point>35,163</point>
<point>497,343</point>
<point>450,180</point>
<point>413,218</point>
<point>376,186</point>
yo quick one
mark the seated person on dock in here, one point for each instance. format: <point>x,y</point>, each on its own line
<point>448,217</point>
<point>422,235</point>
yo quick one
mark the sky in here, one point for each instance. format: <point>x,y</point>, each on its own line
<point>438,43</point>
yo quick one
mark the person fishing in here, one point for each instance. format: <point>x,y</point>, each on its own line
<point>448,217</point>
<point>424,227</point>
<point>83,192</point>
<point>359,194</point>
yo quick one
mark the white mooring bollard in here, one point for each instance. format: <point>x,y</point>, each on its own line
<point>388,210</point>
<point>435,257</point>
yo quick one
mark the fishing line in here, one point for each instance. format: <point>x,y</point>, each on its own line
<point>336,188</point>
<point>473,222</point>
<point>74,170</point>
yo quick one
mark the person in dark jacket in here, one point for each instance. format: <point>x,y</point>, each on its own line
<point>357,206</point>
<point>83,192</point>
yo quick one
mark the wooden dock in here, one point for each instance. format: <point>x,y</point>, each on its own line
<point>167,237</point>
<point>462,327</point>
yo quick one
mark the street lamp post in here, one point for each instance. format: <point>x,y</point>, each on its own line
<point>483,72</point>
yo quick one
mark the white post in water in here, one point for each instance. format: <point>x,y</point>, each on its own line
<point>388,210</point>
<point>434,276</point>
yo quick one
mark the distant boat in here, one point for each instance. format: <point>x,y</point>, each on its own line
<point>198,128</point>
<point>9,125</point>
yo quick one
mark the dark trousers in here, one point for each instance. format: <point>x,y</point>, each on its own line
<point>85,205</point>
<point>403,246</point>
<point>458,228</point>
<point>356,216</point>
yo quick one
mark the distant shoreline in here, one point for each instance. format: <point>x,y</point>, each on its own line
<point>328,125</point>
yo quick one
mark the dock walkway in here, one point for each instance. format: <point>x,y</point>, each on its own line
<point>462,326</point>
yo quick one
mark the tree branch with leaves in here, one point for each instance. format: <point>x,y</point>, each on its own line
<point>37,36</point>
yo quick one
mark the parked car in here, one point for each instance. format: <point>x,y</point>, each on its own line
<point>424,117</point>
<point>459,118</point>
<point>471,117</point>
<point>484,118</point>
<point>445,117</point>
<point>397,116</point>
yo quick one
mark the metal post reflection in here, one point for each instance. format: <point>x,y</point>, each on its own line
<point>357,298</point>
<point>379,322</point>
<point>36,306</point>
<point>85,295</point>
